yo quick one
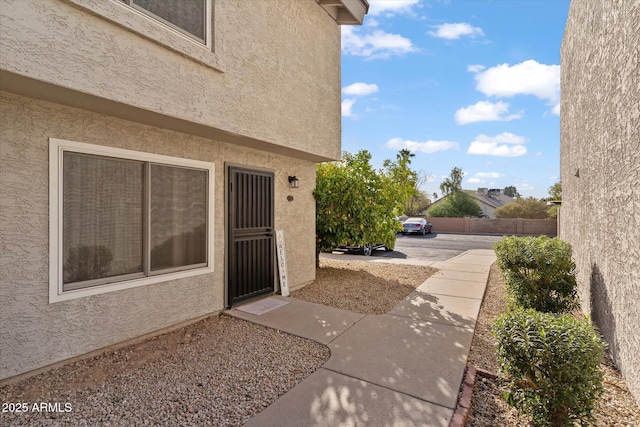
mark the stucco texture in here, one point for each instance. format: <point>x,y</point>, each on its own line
<point>35,333</point>
<point>278,79</point>
<point>265,94</point>
<point>600,169</point>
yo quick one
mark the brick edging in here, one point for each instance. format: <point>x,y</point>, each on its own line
<point>463,408</point>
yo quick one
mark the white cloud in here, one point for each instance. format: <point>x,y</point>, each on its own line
<point>502,145</point>
<point>489,175</point>
<point>391,7</point>
<point>360,89</point>
<point>355,90</point>
<point>485,111</point>
<point>493,149</point>
<point>425,147</point>
<point>506,137</point>
<point>556,109</point>
<point>371,22</point>
<point>358,41</point>
<point>527,78</point>
<point>525,186</point>
<point>347,106</point>
<point>456,30</point>
<point>482,177</point>
<point>475,68</point>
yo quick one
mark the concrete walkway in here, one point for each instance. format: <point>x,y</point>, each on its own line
<point>403,368</point>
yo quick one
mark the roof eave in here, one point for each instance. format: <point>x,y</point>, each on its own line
<point>346,12</point>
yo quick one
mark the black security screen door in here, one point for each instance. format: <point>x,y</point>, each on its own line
<point>251,264</point>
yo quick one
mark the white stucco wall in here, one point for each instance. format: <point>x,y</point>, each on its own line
<point>600,169</point>
<point>272,74</point>
<point>34,332</point>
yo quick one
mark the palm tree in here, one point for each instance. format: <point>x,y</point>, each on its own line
<point>405,154</point>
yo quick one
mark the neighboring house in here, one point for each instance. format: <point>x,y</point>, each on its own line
<point>147,157</point>
<point>488,199</point>
<point>600,169</point>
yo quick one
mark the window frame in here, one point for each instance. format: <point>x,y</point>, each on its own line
<point>57,148</point>
<point>207,21</point>
<point>152,29</point>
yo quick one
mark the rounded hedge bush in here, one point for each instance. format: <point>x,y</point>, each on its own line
<point>553,364</point>
<point>539,273</point>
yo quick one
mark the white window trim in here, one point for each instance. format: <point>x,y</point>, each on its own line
<point>207,21</point>
<point>158,32</point>
<point>57,147</point>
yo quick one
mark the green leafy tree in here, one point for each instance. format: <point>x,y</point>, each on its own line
<point>407,183</point>
<point>453,183</point>
<point>555,191</point>
<point>403,178</point>
<point>511,191</point>
<point>356,204</point>
<point>456,205</point>
<point>524,208</point>
<point>418,203</point>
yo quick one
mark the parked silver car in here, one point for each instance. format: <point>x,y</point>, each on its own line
<point>416,225</point>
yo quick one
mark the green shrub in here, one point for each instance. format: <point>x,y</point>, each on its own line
<point>553,364</point>
<point>538,273</point>
<point>457,205</point>
<point>356,203</point>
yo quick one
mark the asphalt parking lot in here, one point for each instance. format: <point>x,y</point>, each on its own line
<point>433,247</point>
<point>438,246</point>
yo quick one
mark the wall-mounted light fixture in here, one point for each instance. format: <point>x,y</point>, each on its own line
<point>293,181</point>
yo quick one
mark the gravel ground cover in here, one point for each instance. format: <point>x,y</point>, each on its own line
<point>221,371</point>
<point>217,372</point>
<point>617,406</point>
<point>363,287</point>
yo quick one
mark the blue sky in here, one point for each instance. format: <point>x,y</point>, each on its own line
<point>473,84</point>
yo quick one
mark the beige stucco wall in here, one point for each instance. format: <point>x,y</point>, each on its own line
<point>272,74</point>
<point>265,95</point>
<point>600,169</point>
<point>34,332</point>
